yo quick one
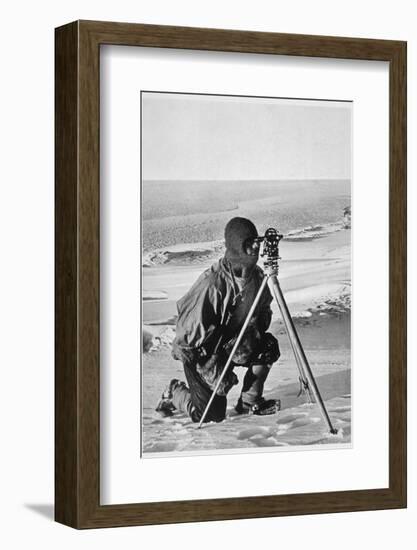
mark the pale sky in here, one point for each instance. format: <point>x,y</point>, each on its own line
<point>219,138</point>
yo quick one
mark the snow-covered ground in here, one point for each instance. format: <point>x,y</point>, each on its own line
<point>299,423</point>
<point>315,278</point>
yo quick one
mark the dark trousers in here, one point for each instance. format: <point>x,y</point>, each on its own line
<point>193,400</point>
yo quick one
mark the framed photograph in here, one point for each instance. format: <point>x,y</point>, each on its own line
<point>230,274</point>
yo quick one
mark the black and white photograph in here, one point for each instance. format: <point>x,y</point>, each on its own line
<point>246,273</point>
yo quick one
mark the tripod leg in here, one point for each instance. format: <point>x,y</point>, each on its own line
<point>239,338</point>
<point>296,344</point>
<point>304,385</point>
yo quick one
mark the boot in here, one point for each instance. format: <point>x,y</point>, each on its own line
<point>251,400</point>
<point>165,405</point>
<point>261,408</point>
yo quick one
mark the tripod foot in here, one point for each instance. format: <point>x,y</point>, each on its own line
<point>305,388</point>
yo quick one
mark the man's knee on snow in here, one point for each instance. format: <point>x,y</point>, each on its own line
<point>216,413</point>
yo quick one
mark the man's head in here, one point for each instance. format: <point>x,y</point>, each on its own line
<point>242,250</point>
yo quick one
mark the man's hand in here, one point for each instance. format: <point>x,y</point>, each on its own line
<point>269,351</point>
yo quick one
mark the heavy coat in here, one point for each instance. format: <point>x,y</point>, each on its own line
<point>204,309</point>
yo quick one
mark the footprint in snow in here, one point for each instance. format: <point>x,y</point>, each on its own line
<point>255,431</point>
<point>266,442</point>
<point>304,422</point>
<point>340,409</point>
<point>157,421</point>
<point>290,418</point>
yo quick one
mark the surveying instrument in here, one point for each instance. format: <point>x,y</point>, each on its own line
<point>270,252</point>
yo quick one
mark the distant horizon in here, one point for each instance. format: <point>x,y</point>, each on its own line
<point>175,211</point>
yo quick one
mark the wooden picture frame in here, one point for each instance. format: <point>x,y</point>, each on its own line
<point>77,382</point>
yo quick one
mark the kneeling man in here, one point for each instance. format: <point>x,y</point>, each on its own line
<point>210,317</point>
